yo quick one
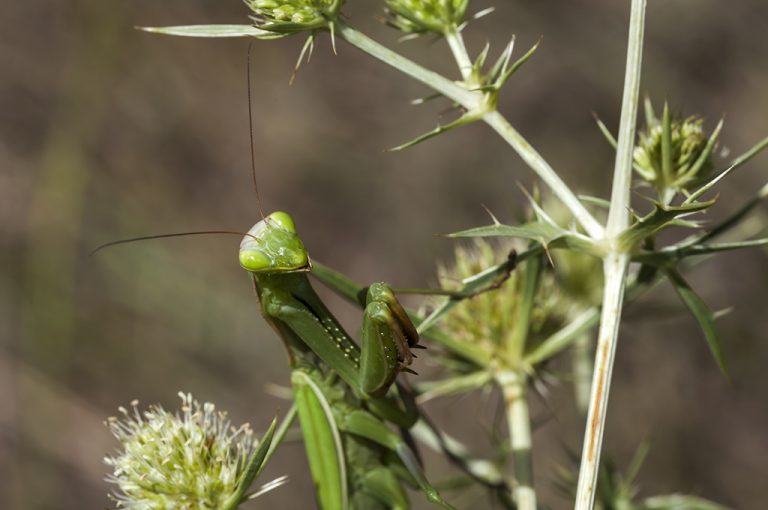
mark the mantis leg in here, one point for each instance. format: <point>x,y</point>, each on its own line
<point>305,326</point>
<point>366,425</point>
<point>385,487</point>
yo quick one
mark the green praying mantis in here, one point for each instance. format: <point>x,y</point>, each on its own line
<point>344,393</point>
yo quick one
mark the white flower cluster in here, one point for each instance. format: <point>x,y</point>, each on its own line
<point>190,460</point>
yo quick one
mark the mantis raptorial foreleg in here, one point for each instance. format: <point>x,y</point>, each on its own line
<point>343,391</point>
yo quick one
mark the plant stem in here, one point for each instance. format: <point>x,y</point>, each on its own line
<point>545,172</point>
<point>615,266</point>
<point>582,372</point>
<point>618,215</point>
<point>474,101</point>
<point>513,386</point>
<point>456,42</point>
<point>468,99</point>
<point>615,269</point>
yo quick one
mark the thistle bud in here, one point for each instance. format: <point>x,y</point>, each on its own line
<point>684,163</point>
<point>192,459</point>
<point>292,16</point>
<point>419,16</point>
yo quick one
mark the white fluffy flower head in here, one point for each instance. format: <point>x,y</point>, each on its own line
<point>193,459</point>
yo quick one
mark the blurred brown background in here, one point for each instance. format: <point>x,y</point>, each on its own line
<point>109,133</point>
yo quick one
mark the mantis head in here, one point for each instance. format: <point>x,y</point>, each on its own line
<point>273,246</point>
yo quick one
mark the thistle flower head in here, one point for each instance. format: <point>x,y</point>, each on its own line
<point>688,158</point>
<point>419,16</point>
<point>291,16</point>
<point>488,320</point>
<point>190,460</point>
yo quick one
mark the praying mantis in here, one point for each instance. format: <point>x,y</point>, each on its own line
<point>344,393</point>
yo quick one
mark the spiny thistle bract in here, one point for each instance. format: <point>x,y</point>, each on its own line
<point>190,460</point>
<point>419,16</point>
<point>687,158</point>
<point>292,16</point>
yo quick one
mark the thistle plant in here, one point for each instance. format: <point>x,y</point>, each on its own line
<point>421,16</point>
<point>284,17</point>
<point>675,153</point>
<point>510,312</point>
<point>193,459</point>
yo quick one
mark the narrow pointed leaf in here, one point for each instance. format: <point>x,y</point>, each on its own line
<point>563,337</point>
<point>259,457</point>
<point>596,201</point>
<point>502,61</point>
<point>453,385</point>
<point>662,216</point>
<point>440,129</point>
<point>751,153</point>
<point>693,197</point>
<point>702,314</point>
<point>679,502</point>
<point>666,146</point>
<point>518,63</point>
<point>213,31</point>
<point>606,132</point>
<point>650,115</point>
<point>704,156</point>
<point>255,463</point>
<point>672,255</point>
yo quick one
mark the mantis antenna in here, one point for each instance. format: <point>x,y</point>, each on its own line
<point>164,236</point>
<point>250,130</point>
<point>253,174</point>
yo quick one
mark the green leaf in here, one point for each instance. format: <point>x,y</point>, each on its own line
<point>661,217</point>
<point>596,201</point>
<point>255,464</point>
<point>751,153</point>
<point>508,72</point>
<point>606,132</point>
<point>440,129</point>
<point>548,235</point>
<point>702,314</point>
<point>258,458</point>
<point>679,502</point>
<point>213,31</point>
<point>666,146</point>
<point>669,256</point>
<point>650,115</point>
<point>563,337</point>
<point>704,156</point>
<point>453,385</point>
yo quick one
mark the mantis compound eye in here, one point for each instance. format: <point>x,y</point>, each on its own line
<point>282,220</point>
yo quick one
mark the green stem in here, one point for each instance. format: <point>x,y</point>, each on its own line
<point>519,337</point>
<point>474,101</point>
<point>618,215</point>
<point>582,372</point>
<point>615,267</point>
<point>513,386</point>
<point>468,99</point>
<point>456,42</point>
<point>545,172</point>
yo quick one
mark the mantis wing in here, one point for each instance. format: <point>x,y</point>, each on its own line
<point>322,442</point>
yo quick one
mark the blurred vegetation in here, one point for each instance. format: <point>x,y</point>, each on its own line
<point>110,133</point>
